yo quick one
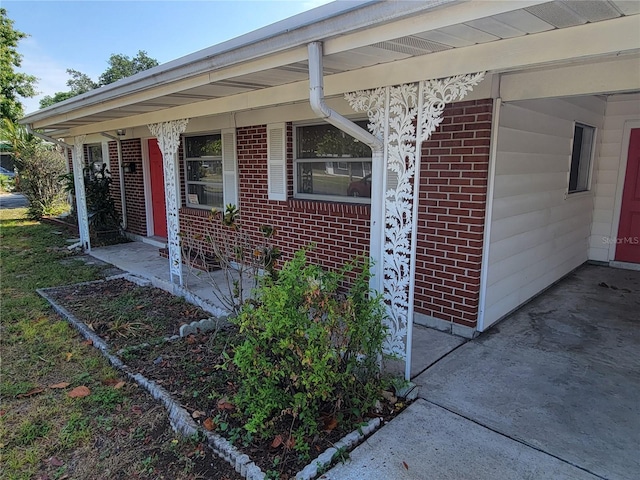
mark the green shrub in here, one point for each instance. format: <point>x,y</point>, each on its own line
<point>39,170</point>
<point>6,183</point>
<point>309,350</point>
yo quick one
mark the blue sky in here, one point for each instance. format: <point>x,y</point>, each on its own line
<point>83,34</point>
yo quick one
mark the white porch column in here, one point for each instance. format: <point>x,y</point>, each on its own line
<point>77,155</point>
<point>168,135</point>
<point>392,112</point>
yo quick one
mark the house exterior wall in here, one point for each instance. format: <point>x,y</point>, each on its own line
<point>538,232</point>
<point>451,211</point>
<point>608,185</point>
<point>339,231</point>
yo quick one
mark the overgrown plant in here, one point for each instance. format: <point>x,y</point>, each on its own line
<point>39,165</point>
<point>225,245</point>
<point>39,172</point>
<point>100,205</point>
<point>310,354</point>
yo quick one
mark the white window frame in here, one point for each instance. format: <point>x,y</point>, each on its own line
<point>316,196</point>
<point>188,182</point>
<point>104,147</point>
<point>580,188</point>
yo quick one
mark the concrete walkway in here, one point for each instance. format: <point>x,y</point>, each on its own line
<point>552,392</point>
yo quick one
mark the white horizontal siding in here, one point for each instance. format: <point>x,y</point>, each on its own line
<point>620,109</point>
<point>538,232</point>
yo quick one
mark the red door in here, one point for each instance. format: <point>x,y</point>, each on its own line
<point>628,241</point>
<point>158,204</point>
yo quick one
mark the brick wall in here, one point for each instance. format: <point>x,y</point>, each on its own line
<point>114,169</point>
<point>133,186</point>
<point>453,194</point>
<point>340,231</point>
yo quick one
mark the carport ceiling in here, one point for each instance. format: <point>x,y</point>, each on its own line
<point>517,23</point>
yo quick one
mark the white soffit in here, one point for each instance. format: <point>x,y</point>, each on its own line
<point>496,27</point>
<point>628,7</point>
<point>593,10</point>
<point>557,14</point>
<point>523,20</point>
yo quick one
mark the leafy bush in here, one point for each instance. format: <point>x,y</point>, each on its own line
<point>100,205</point>
<point>39,170</point>
<point>6,183</point>
<point>309,350</point>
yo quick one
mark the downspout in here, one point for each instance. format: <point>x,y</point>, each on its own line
<point>121,178</point>
<point>320,108</point>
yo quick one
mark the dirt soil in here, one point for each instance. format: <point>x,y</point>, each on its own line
<point>197,370</point>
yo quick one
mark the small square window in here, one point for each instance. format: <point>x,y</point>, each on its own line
<point>583,140</point>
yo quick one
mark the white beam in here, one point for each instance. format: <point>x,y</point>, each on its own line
<point>621,74</point>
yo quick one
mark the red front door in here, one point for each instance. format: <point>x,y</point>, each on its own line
<point>158,204</point>
<point>628,241</point>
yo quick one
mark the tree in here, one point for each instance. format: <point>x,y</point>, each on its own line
<point>12,84</point>
<point>78,83</point>
<point>120,66</point>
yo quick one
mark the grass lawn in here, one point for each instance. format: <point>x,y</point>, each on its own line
<point>117,430</point>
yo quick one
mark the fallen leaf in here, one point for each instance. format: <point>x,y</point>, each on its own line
<point>33,391</point>
<point>119,385</point>
<point>290,442</point>
<point>277,441</point>
<point>208,424</point>
<point>110,382</point>
<point>198,414</point>
<point>224,404</point>
<point>136,409</point>
<point>80,392</point>
<point>139,307</point>
<point>60,385</point>
<point>88,341</point>
<point>56,462</point>
<point>330,423</point>
<point>2,413</point>
<point>404,464</point>
<point>68,356</point>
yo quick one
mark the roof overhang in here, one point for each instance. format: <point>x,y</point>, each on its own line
<point>423,40</point>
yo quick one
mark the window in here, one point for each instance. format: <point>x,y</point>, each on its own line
<point>97,157</point>
<point>203,162</point>
<point>583,140</point>
<point>331,164</point>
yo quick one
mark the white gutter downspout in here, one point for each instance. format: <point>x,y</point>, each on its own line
<point>121,178</point>
<point>65,146</point>
<point>318,105</point>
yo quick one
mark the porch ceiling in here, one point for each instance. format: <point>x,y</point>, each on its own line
<point>362,49</point>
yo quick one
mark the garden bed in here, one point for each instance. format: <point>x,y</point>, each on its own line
<point>141,325</point>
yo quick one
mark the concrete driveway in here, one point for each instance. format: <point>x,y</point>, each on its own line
<point>551,392</point>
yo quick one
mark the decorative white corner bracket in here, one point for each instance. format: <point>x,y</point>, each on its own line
<point>393,114</point>
<point>168,135</point>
